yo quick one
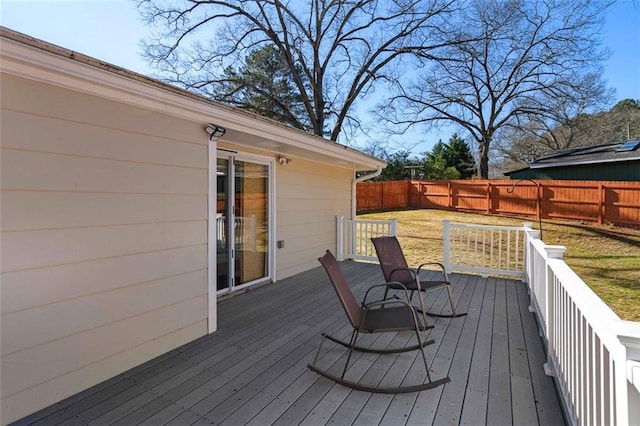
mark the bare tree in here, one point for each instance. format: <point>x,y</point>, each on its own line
<point>524,58</point>
<point>335,50</point>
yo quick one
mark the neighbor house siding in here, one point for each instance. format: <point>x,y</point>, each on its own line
<point>104,240</point>
<point>618,171</point>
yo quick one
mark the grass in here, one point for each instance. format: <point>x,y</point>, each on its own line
<point>607,258</point>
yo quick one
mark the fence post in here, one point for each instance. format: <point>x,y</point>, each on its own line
<point>601,203</point>
<point>552,253</point>
<point>539,197</point>
<point>339,238</point>
<point>447,249</point>
<point>488,197</point>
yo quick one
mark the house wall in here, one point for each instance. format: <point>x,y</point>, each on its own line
<point>309,197</point>
<point>104,236</point>
<point>104,240</point>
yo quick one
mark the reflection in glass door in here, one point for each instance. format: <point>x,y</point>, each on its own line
<point>242,223</point>
<point>223,255</point>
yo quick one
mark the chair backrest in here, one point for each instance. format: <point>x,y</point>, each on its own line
<point>348,300</point>
<point>391,257</point>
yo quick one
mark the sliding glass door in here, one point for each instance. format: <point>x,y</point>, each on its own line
<point>242,221</point>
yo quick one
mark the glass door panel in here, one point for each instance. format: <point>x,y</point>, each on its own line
<point>251,221</point>
<point>242,222</point>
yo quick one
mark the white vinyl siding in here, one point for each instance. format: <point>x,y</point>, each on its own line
<point>309,197</point>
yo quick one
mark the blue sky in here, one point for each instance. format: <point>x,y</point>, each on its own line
<point>110,30</point>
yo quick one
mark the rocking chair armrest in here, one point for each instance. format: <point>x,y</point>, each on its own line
<point>444,271</point>
<point>414,276</point>
<point>364,301</point>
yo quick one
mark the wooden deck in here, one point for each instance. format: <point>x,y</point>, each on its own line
<point>253,370</point>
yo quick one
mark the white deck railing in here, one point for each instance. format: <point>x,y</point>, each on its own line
<point>593,354</point>
<point>354,237</point>
<point>486,250</point>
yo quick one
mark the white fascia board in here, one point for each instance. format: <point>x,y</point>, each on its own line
<point>97,79</point>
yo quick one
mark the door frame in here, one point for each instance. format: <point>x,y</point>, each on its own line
<point>268,161</point>
<point>212,277</point>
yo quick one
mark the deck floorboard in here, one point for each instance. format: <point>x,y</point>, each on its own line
<point>253,370</point>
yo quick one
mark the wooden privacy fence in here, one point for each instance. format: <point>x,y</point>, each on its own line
<point>593,201</point>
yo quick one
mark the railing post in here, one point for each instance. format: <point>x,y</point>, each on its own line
<point>447,249</point>
<point>339,238</point>
<point>529,267</point>
<point>353,237</point>
<point>552,253</point>
<point>526,227</point>
<point>628,409</point>
<point>393,227</point>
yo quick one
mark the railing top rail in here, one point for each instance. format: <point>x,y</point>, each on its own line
<point>591,307</point>
<point>468,225</point>
<point>381,222</point>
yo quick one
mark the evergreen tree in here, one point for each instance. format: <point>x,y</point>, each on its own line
<point>263,85</point>
<point>458,154</point>
<point>450,161</point>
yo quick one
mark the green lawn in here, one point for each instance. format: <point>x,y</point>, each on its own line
<point>607,258</point>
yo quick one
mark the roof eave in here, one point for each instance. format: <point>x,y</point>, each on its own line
<point>34,59</point>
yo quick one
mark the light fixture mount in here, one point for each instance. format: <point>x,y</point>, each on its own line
<point>215,132</point>
<point>283,160</point>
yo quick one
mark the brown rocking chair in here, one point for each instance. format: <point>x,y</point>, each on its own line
<point>373,317</point>
<point>395,270</point>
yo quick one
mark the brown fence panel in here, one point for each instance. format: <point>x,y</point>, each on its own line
<point>469,196</point>
<point>573,200</point>
<point>430,194</point>
<point>382,195</point>
<point>595,201</point>
<point>620,202</point>
<point>368,196</point>
<point>514,201</point>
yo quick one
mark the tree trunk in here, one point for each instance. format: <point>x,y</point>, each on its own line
<point>483,166</point>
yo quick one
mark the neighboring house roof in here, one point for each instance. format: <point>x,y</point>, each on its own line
<point>35,59</point>
<point>608,153</point>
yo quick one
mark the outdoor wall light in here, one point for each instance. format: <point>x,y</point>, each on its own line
<point>283,160</point>
<point>215,132</point>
